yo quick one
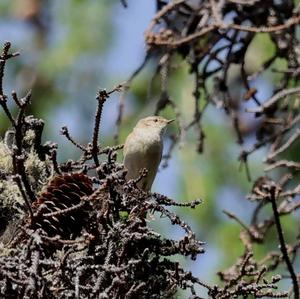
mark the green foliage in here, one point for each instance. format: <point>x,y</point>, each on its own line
<point>263,45</point>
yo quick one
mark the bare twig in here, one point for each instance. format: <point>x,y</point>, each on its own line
<point>268,104</point>
<point>101,98</point>
<point>283,248</point>
<point>285,146</point>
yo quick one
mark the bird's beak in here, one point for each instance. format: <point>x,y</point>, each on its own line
<point>170,120</point>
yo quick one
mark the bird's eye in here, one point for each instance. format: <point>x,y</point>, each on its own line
<point>156,120</point>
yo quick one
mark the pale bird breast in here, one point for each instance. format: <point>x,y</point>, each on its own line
<point>139,152</point>
<point>143,143</point>
<point>142,151</point>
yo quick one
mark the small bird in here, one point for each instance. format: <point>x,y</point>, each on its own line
<point>143,149</point>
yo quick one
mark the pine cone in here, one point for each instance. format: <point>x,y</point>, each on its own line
<point>58,210</point>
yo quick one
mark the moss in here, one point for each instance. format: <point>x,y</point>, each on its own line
<point>6,165</point>
<point>37,170</point>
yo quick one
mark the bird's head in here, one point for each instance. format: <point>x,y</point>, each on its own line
<point>157,123</point>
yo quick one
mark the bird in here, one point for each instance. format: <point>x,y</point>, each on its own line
<point>143,149</point>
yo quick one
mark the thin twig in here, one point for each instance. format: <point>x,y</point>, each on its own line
<point>285,146</point>
<point>283,163</point>
<point>65,132</point>
<point>18,180</point>
<point>272,197</point>
<point>101,98</point>
<point>281,94</point>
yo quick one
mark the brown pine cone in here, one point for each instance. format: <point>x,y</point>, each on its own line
<point>60,209</point>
